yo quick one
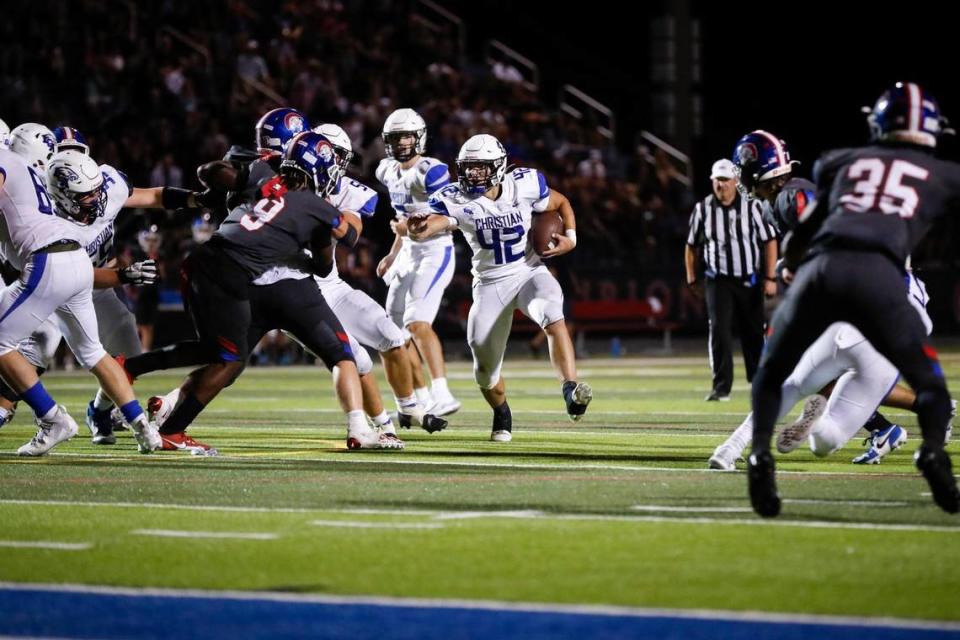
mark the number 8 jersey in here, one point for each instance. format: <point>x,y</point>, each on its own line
<point>497,230</point>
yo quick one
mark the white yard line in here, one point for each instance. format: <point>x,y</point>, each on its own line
<point>681,509</point>
<point>175,533</point>
<point>493,605</point>
<point>40,544</point>
<point>360,524</point>
<point>474,514</point>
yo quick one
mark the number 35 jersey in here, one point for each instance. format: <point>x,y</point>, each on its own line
<point>497,230</point>
<point>882,198</point>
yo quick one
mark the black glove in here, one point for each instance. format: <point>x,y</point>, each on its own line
<point>210,199</point>
<point>140,273</point>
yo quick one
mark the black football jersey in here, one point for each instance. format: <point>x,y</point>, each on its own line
<point>795,196</point>
<point>271,229</point>
<point>882,198</point>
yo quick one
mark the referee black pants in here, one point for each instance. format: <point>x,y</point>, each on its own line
<point>728,299</point>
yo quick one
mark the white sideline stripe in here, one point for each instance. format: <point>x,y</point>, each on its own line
<point>174,533</point>
<point>39,544</point>
<point>673,509</point>
<point>469,515</point>
<point>501,465</point>
<point>495,605</point>
<point>846,503</point>
<point>359,524</point>
<point>532,515</point>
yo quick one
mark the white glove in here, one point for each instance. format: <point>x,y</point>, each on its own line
<point>140,273</point>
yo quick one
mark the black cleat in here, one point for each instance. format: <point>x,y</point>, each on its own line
<point>935,466</point>
<point>761,480</point>
<point>432,424</point>
<point>429,422</point>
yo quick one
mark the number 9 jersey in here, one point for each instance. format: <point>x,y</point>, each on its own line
<point>497,230</point>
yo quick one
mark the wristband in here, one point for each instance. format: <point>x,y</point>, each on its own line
<point>174,198</point>
<point>572,235</point>
<point>769,279</point>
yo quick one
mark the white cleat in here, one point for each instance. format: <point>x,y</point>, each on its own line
<point>724,458</point>
<point>159,408</point>
<point>147,436</point>
<point>792,436</point>
<point>444,405</point>
<point>59,428</point>
<point>501,435</point>
<point>371,439</point>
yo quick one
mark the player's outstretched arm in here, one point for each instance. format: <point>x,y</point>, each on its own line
<point>423,227</point>
<point>164,198</point>
<point>348,232</point>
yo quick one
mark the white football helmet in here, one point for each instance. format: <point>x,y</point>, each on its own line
<point>481,163</point>
<point>340,141</point>
<point>75,183</point>
<point>404,122</point>
<point>4,135</point>
<point>34,143</point>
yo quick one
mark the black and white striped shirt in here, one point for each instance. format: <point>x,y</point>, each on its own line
<point>732,237</point>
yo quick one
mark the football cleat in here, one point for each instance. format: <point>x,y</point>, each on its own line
<point>935,466</point>
<point>762,484</point>
<point>182,442</point>
<point>60,427</point>
<point>159,409</point>
<point>716,396</point>
<point>414,415</point>
<point>792,436</point>
<point>100,424</point>
<point>501,435</point>
<point>371,439</point>
<point>444,404</point>
<point>881,443</point>
<point>724,458</point>
<point>577,398</point>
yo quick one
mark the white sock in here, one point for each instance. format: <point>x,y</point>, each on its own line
<point>3,416</point>
<point>405,404</point>
<point>102,401</point>
<point>140,423</point>
<point>357,421</point>
<point>438,386</point>
<point>49,414</point>
<point>384,423</point>
<point>423,397</point>
<point>740,438</point>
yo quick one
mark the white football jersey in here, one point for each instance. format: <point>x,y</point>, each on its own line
<point>410,189</point>
<point>98,236</point>
<point>497,230</point>
<point>351,195</point>
<point>28,212</point>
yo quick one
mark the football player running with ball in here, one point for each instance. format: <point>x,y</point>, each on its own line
<point>494,211</point>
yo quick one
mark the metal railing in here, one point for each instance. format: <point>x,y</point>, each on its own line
<point>436,18</point>
<point>495,52</point>
<point>188,42</point>
<point>678,157</point>
<point>578,104</point>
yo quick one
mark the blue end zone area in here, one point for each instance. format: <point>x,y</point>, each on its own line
<point>63,613</point>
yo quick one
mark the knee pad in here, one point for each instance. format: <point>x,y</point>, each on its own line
<point>362,358</point>
<point>391,336</point>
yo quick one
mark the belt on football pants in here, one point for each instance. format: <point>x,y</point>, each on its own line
<point>59,246</point>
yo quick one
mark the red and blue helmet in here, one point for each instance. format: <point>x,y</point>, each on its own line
<point>760,156</point>
<point>276,128</point>
<point>905,113</point>
<point>70,138</point>
<point>314,156</point>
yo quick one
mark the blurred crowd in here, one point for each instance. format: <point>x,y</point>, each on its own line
<point>161,87</point>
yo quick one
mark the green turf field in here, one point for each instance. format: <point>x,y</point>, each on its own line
<point>618,509</point>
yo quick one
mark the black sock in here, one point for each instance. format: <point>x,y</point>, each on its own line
<point>502,418</point>
<point>182,354</point>
<point>877,422</point>
<point>185,413</point>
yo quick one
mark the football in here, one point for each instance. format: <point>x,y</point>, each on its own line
<point>542,229</point>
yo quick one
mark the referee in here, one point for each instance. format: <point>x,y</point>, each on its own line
<point>740,252</point>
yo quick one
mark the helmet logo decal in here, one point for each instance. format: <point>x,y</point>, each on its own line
<point>294,122</point>
<point>747,153</point>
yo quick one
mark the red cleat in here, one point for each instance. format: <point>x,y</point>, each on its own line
<point>182,442</point>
